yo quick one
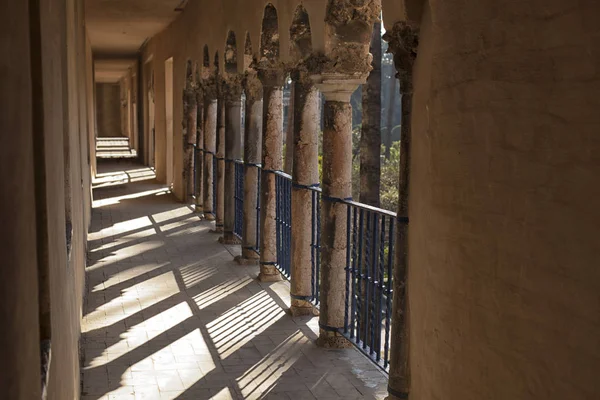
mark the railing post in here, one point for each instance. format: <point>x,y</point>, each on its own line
<point>252,159</point>
<point>403,42</point>
<point>305,174</point>
<point>272,80</point>
<point>233,138</point>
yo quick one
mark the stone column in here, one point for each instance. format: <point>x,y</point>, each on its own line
<point>190,126</point>
<point>403,42</point>
<point>220,211</point>
<point>337,186</point>
<point>305,174</point>
<point>272,160</point>
<point>210,147</point>
<point>198,208</point>
<point>233,137</point>
<point>252,158</point>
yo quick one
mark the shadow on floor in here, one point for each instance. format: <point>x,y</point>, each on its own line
<point>169,315</point>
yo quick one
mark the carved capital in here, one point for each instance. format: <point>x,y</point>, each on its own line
<point>403,42</point>
<point>271,77</point>
<point>252,86</point>
<point>337,87</point>
<point>232,85</point>
<point>209,87</point>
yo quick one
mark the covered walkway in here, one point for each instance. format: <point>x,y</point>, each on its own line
<point>170,315</point>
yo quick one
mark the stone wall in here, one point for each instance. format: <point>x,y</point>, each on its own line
<point>504,251</point>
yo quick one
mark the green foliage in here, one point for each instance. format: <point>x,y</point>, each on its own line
<point>390,179</point>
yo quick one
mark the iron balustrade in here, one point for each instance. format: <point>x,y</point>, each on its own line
<point>369,261</point>
<point>214,185</point>
<point>239,198</point>
<point>315,243</point>
<point>283,221</point>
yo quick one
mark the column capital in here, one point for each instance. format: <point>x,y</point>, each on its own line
<point>252,86</point>
<point>208,87</point>
<point>232,85</point>
<point>336,86</point>
<point>271,76</point>
<point>403,40</point>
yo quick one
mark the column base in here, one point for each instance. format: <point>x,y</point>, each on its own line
<point>269,275</point>
<point>301,308</point>
<point>332,340</point>
<point>199,210</point>
<point>209,216</point>
<point>218,229</point>
<point>229,239</point>
<point>243,260</point>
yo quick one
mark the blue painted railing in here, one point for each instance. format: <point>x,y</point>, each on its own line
<point>369,261</point>
<point>283,221</point>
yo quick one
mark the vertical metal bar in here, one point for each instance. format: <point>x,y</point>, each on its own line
<point>381,278</point>
<point>374,256</point>
<point>359,311</point>
<point>388,305</point>
<point>354,261</point>
<point>318,276</point>
<point>312,244</point>
<point>348,263</point>
<point>367,283</point>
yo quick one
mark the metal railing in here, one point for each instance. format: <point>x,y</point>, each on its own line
<point>369,260</point>
<point>239,198</point>
<point>315,243</point>
<point>283,222</point>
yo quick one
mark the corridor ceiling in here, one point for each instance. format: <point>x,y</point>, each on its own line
<point>118,28</point>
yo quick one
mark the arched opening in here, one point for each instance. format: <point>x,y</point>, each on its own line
<point>300,34</point>
<point>269,38</point>
<point>231,53</point>
<point>248,55</point>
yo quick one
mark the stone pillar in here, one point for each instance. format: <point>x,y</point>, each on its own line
<point>337,185</point>
<point>305,174</point>
<point>199,155</point>
<point>190,126</point>
<point>233,137</point>
<point>220,211</point>
<point>272,160</point>
<point>403,43</point>
<point>252,158</point>
<point>210,146</point>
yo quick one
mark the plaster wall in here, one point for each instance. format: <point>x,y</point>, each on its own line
<point>504,283</point>
<point>108,99</point>
<point>42,98</point>
<point>19,338</point>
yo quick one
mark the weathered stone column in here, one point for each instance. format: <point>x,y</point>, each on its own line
<point>345,65</point>
<point>305,174</point>
<point>210,146</point>
<point>252,158</point>
<point>337,186</point>
<point>403,44</point>
<point>190,125</point>
<point>272,80</point>
<point>233,137</point>
<point>220,211</point>
<point>198,156</point>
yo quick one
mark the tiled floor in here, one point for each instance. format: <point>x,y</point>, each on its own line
<point>169,315</point>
